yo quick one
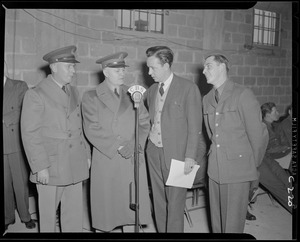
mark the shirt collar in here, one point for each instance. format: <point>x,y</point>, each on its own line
<point>221,88</point>
<point>60,85</point>
<point>168,81</point>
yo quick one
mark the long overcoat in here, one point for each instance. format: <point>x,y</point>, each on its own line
<point>109,121</point>
<point>51,128</point>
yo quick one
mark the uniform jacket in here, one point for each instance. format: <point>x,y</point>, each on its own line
<point>108,122</point>
<point>181,120</point>
<point>13,95</point>
<point>284,129</point>
<point>278,145</point>
<point>51,128</point>
<point>238,135</point>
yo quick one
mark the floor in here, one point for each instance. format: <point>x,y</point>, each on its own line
<point>273,221</point>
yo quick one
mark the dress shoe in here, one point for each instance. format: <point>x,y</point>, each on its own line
<point>250,216</point>
<point>30,224</point>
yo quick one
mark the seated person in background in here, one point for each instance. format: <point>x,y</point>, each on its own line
<point>284,129</point>
<point>272,176</point>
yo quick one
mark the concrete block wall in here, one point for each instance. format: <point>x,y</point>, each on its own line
<point>31,33</point>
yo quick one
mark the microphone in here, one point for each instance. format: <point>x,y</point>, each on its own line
<point>136,92</point>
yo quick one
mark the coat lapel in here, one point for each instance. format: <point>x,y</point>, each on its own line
<point>106,96</point>
<point>227,91</point>
<point>211,98</point>
<point>54,91</point>
<point>125,100</point>
<point>172,92</point>
<point>73,100</point>
<point>152,97</point>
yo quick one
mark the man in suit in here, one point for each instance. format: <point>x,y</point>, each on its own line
<point>57,152</point>
<point>109,124</point>
<point>239,139</point>
<point>175,110</point>
<point>16,176</point>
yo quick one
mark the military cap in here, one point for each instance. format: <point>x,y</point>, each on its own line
<point>113,61</point>
<point>65,54</point>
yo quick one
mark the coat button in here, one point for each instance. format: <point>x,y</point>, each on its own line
<point>70,135</point>
<point>12,129</point>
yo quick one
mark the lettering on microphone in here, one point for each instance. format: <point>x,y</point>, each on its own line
<point>136,92</point>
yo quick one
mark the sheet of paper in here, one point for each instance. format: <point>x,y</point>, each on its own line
<point>177,178</point>
<point>285,161</point>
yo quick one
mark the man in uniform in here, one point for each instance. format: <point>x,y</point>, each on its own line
<point>57,152</point>
<point>239,140</point>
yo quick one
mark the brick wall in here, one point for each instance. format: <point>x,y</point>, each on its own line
<point>30,33</point>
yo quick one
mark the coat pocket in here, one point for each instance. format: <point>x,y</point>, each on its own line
<point>237,155</point>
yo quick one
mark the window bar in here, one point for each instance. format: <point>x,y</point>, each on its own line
<point>132,23</point>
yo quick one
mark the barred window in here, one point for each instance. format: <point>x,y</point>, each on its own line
<point>141,20</point>
<point>266,28</point>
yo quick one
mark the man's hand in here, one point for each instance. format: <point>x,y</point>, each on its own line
<point>189,165</point>
<point>43,176</point>
<point>127,150</point>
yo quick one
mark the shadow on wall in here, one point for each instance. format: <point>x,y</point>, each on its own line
<point>46,69</point>
<point>202,83</point>
<point>147,79</point>
<point>99,76</point>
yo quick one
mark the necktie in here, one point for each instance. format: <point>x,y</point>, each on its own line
<point>116,92</point>
<point>65,89</point>
<point>161,89</point>
<point>217,95</point>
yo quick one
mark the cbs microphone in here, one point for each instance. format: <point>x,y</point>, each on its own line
<point>136,92</point>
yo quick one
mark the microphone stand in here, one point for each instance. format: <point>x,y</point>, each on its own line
<point>136,170</point>
<point>135,206</point>
<point>137,93</point>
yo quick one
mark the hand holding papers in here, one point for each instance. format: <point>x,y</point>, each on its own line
<point>177,178</point>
